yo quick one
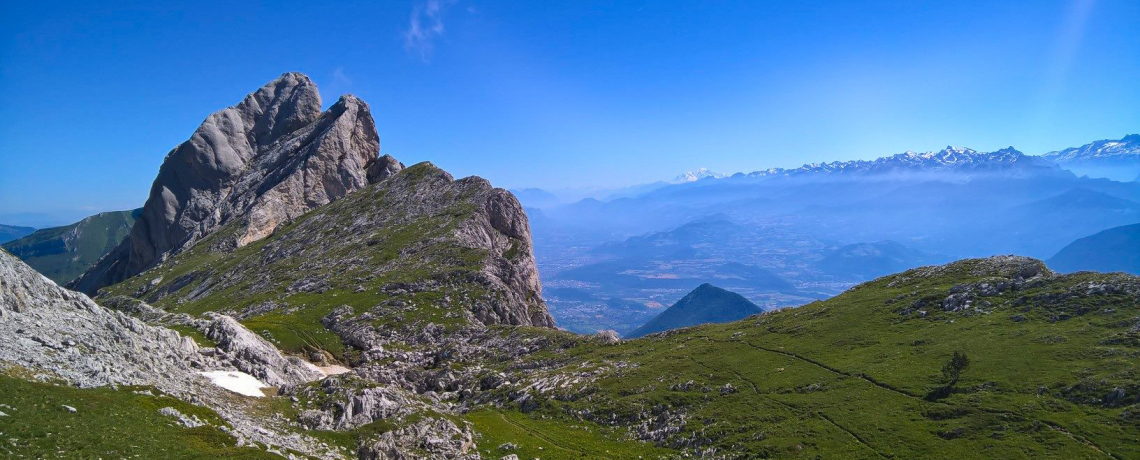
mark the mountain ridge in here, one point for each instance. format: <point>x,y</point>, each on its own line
<point>1113,250</point>
<point>263,162</point>
<point>65,252</point>
<point>14,232</point>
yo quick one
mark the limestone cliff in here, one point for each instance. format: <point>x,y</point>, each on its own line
<point>261,164</point>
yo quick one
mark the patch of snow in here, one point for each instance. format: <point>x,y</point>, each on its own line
<point>237,382</point>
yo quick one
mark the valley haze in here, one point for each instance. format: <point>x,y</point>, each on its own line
<point>456,229</point>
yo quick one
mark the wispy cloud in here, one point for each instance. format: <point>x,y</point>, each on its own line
<point>339,78</point>
<point>424,27</point>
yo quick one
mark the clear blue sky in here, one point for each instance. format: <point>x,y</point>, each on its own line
<point>560,93</point>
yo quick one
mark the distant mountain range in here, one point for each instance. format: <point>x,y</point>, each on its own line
<point>1113,250</point>
<point>62,253</point>
<point>1118,160</point>
<point>1112,159</point>
<point>705,304</point>
<point>950,159</point>
<point>11,232</point>
<point>536,198</point>
<point>696,175</point>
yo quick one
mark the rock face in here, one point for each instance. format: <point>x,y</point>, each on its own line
<point>57,334</point>
<point>64,333</point>
<point>252,354</point>
<point>416,246</point>
<point>258,164</point>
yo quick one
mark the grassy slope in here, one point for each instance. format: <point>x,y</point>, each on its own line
<point>108,423</point>
<point>847,378</point>
<point>266,269</point>
<point>842,378</point>
<point>46,251</point>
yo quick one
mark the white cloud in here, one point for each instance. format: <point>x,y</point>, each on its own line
<point>424,27</point>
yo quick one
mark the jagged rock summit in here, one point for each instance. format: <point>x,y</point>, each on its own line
<point>261,163</point>
<point>329,216</point>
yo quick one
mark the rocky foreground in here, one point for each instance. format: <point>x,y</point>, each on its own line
<point>56,335</point>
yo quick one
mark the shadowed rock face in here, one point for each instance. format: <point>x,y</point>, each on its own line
<point>261,163</point>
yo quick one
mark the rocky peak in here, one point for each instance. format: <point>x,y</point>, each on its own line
<point>383,168</point>
<point>250,168</point>
<point>281,106</point>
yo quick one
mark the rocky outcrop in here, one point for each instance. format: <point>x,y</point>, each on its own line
<point>256,165</point>
<point>50,333</point>
<point>419,241</point>
<point>252,354</point>
<point>433,438</point>
<point>66,335</point>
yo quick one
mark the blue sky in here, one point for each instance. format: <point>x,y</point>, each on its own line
<point>559,93</point>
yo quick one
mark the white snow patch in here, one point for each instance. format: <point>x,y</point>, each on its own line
<point>237,382</point>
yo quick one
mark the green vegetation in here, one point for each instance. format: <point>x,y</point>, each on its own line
<point>107,423</point>
<point>63,253</point>
<point>343,254</point>
<point>846,378</point>
<point>552,440</point>
<point>966,360</point>
<point>194,333</point>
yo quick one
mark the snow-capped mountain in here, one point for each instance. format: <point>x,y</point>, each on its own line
<point>1128,147</point>
<point>697,174</point>
<point>950,159</point>
<point>1113,159</point>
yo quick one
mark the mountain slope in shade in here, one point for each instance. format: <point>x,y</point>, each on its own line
<point>62,253</point>
<point>1111,159</point>
<point>872,260</point>
<point>1113,250</point>
<point>706,304</point>
<point>11,232</point>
